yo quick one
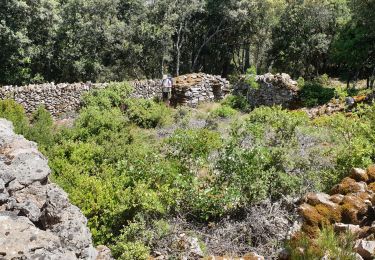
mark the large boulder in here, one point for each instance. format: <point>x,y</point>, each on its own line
<point>37,220</point>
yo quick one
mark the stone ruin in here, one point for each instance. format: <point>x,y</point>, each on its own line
<point>37,220</point>
<point>278,89</point>
<point>193,89</point>
<point>64,98</point>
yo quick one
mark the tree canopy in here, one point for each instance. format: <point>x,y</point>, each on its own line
<point>92,40</point>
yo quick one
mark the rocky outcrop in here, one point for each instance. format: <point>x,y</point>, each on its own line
<point>36,219</point>
<point>350,206</point>
<point>278,89</point>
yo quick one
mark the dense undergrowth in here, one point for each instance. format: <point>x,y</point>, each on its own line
<point>129,181</point>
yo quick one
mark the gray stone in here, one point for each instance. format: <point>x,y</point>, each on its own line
<point>37,221</point>
<point>366,249</point>
<point>104,253</point>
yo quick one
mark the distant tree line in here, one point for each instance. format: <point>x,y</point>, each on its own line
<point>102,40</point>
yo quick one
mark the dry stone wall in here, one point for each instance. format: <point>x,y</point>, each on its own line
<point>57,98</point>
<point>278,89</point>
<point>196,88</point>
<point>61,99</point>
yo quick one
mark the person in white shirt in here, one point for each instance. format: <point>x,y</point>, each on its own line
<point>167,88</point>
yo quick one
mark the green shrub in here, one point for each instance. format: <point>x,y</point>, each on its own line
<point>146,113</point>
<point>328,243</point>
<point>193,144</point>
<point>264,157</point>
<point>238,102</point>
<point>131,251</point>
<point>317,91</point>
<point>112,96</point>
<point>251,74</point>
<point>98,123</point>
<point>223,112</point>
<point>41,130</point>
<point>15,113</point>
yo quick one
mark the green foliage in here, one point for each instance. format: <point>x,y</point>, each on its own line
<point>317,91</point>
<point>15,113</point>
<point>251,74</point>
<point>112,96</point>
<point>193,144</point>
<point>327,243</point>
<point>131,251</point>
<point>255,163</point>
<point>223,111</point>
<point>301,41</point>
<point>238,102</point>
<point>41,129</point>
<point>93,121</point>
<point>147,113</point>
<point>91,40</point>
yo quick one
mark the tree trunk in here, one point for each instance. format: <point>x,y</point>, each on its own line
<point>372,78</point>
<point>178,49</point>
<point>205,42</point>
<point>247,57</point>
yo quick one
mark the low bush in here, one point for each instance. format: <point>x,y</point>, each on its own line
<point>41,129</point>
<point>223,112</point>
<point>15,113</point>
<point>193,144</point>
<point>328,244</point>
<point>317,91</point>
<point>147,113</point>
<point>238,102</point>
<point>112,96</point>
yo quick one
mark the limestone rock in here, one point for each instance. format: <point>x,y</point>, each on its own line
<point>343,228</point>
<point>19,237</point>
<point>37,220</point>
<point>319,198</point>
<point>349,185</point>
<point>104,253</point>
<point>366,249</point>
<point>359,174</point>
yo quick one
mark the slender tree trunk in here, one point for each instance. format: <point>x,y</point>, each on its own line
<point>205,42</point>
<point>178,49</point>
<point>348,81</point>
<point>372,78</point>
<point>247,57</point>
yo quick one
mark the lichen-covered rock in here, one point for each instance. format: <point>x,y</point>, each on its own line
<point>353,209</point>
<point>371,173</point>
<point>349,185</point>
<point>36,219</point>
<point>359,174</point>
<point>350,207</point>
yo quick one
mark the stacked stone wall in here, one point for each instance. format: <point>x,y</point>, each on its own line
<point>63,99</point>
<point>278,89</point>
